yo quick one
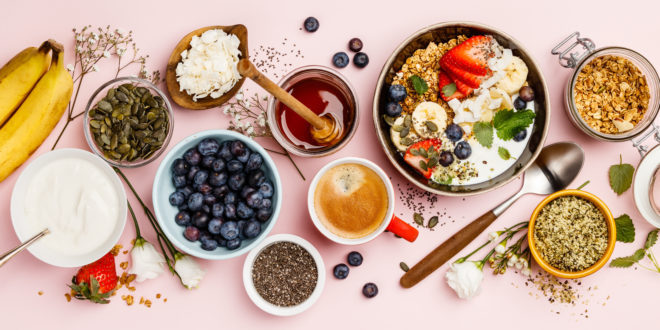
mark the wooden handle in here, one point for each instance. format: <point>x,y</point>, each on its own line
<point>446,250</point>
<point>247,69</point>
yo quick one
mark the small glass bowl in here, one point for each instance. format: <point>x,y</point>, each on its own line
<point>100,93</point>
<point>652,80</point>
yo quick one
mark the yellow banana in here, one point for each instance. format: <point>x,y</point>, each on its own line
<point>37,116</point>
<point>18,77</point>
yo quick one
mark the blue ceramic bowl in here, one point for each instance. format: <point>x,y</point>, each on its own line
<point>165,212</point>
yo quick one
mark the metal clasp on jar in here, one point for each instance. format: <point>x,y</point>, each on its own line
<point>570,59</point>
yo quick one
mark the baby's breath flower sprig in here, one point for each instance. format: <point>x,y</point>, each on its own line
<point>91,46</point>
<point>248,117</point>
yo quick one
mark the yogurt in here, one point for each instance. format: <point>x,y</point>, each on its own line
<point>76,201</point>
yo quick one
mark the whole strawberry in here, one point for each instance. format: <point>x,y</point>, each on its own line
<point>97,281</point>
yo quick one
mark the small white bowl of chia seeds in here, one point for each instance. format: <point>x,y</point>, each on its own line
<point>284,275</point>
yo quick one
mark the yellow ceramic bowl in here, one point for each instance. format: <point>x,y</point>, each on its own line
<point>611,227</point>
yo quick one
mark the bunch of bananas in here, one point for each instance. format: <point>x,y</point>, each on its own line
<point>35,89</point>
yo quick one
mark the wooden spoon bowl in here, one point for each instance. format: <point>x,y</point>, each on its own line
<point>182,98</point>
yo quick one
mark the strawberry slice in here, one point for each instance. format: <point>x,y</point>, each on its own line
<point>471,55</point>
<point>461,86</point>
<point>444,80</point>
<point>423,156</point>
<point>470,79</point>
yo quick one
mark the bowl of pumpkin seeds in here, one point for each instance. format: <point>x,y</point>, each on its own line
<point>128,122</point>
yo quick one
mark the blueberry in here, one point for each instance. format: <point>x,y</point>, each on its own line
<point>200,220</point>
<point>393,109</point>
<point>225,151</point>
<point>254,162</point>
<point>221,241</point>
<point>187,190</point>
<point>340,271</point>
<point>217,210</point>
<point>234,166</point>
<point>192,156</point>
<point>183,207</point>
<point>244,157</point>
<point>243,211</point>
<point>266,204</point>
<point>206,209</point>
<point>209,199</point>
<point>252,229</point>
<point>195,201</point>
<point>361,60</point>
<point>208,147</point>
<point>520,136</point>
<point>229,230</point>
<point>200,177</point>
<point>355,44</point>
<point>446,158</point>
<point>311,24</point>
<point>340,60</point>
<point>246,191</point>
<point>218,165</point>
<point>214,226</point>
<point>462,150</point>
<point>177,198</point>
<point>263,215</point>
<point>207,161</point>
<point>221,192</point>
<point>204,188</point>
<point>179,181</point>
<point>241,225</point>
<point>254,199</point>
<point>180,167</point>
<point>182,218</point>
<point>519,103</point>
<point>354,258</point>
<point>370,290</point>
<point>233,244</point>
<point>526,93</point>
<point>238,148</point>
<point>266,189</point>
<point>454,132</point>
<point>236,181</point>
<point>209,244</point>
<point>230,211</point>
<point>191,233</point>
<point>256,178</point>
<point>191,173</point>
<point>218,179</point>
<point>397,93</point>
<point>230,198</point>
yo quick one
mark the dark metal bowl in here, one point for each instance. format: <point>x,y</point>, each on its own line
<point>442,32</point>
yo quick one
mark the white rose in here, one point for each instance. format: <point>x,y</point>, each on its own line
<point>465,278</point>
<point>146,262</point>
<point>189,271</point>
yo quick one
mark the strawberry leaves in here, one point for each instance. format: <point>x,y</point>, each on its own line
<point>621,176</point>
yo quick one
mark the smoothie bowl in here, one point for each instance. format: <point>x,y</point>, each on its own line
<point>461,108</point>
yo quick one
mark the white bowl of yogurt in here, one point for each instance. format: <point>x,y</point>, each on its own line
<point>78,197</point>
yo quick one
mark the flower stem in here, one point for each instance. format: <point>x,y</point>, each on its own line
<point>137,227</point>
<point>460,260</point>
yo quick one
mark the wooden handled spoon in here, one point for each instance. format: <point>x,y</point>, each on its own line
<point>325,130</point>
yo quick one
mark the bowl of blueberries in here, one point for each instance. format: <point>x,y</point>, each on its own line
<point>217,194</point>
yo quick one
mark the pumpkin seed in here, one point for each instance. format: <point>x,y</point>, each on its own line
<point>404,267</point>
<point>406,141</point>
<point>432,162</point>
<point>104,105</point>
<point>423,153</point>
<point>407,121</point>
<point>404,132</point>
<point>389,120</point>
<point>431,126</point>
<point>397,128</point>
<point>423,166</point>
<point>418,219</point>
<point>433,221</point>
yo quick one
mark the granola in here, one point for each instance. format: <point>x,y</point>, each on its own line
<point>611,94</point>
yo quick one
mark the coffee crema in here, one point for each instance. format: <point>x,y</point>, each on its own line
<point>351,200</point>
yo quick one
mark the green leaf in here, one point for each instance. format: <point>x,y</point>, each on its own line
<point>483,132</point>
<point>621,176</point>
<point>639,254</point>
<point>651,239</point>
<point>508,123</point>
<point>449,90</point>
<point>419,84</point>
<point>447,181</point>
<point>583,185</point>
<point>504,153</point>
<point>623,262</point>
<point>625,230</point>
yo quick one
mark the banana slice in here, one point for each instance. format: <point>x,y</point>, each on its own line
<point>515,76</point>
<point>429,119</point>
<point>495,94</point>
<point>395,136</point>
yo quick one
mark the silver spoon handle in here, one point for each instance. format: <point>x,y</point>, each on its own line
<point>21,247</point>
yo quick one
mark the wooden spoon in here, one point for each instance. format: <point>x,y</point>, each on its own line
<point>182,98</point>
<point>325,130</point>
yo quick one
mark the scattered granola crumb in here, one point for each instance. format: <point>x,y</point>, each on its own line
<point>125,252</point>
<point>68,297</point>
<point>165,300</point>
<point>40,293</point>
<point>128,299</point>
<point>157,295</point>
<point>123,265</point>
<point>115,249</point>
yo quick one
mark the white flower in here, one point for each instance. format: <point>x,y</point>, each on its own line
<point>79,38</point>
<point>106,54</point>
<point>225,110</point>
<point>493,235</point>
<point>121,51</point>
<point>514,259</point>
<point>146,262</point>
<point>265,98</point>
<point>262,121</point>
<point>500,248</point>
<point>465,278</point>
<point>95,36</point>
<point>250,130</point>
<point>92,41</point>
<point>70,67</point>
<point>78,49</point>
<point>239,95</point>
<point>527,271</point>
<point>189,271</point>
<point>95,68</point>
<point>120,32</point>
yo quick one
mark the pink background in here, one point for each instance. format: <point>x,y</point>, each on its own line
<point>221,301</point>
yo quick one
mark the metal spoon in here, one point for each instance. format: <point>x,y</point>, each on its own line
<point>4,258</point>
<point>554,169</point>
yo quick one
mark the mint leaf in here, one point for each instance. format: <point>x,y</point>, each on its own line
<point>639,254</point>
<point>483,132</point>
<point>508,123</point>
<point>504,154</point>
<point>621,176</point>
<point>651,239</point>
<point>623,262</point>
<point>419,84</point>
<point>449,89</point>
<point>625,230</point>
